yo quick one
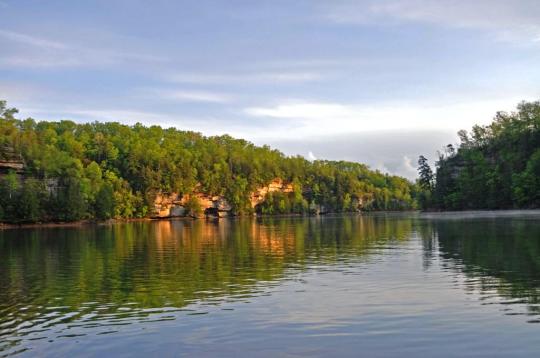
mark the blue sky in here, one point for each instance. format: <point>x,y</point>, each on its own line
<point>378,82</point>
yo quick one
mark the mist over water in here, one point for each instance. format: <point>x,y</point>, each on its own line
<point>380,285</point>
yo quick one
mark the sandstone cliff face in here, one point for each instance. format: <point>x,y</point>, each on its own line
<point>10,161</point>
<point>165,205</point>
<point>259,195</point>
<point>173,205</point>
<point>168,205</point>
<point>7,165</point>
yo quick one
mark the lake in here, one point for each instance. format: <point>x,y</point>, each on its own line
<point>454,284</point>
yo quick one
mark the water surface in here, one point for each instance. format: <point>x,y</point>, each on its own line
<point>374,285</point>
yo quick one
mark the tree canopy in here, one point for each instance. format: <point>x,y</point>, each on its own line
<point>496,166</point>
<point>111,170</point>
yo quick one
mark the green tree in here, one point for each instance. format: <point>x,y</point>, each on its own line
<point>425,174</point>
<point>9,186</point>
<point>29,202</point>
<point>104,205</point>
<point>69,201</point>
<point>496,167</point>
<point>74,161</point>
<point>193,206</point>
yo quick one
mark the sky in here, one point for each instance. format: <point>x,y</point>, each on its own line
<point>374,81</point>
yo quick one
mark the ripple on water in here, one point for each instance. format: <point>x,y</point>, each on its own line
<point>379,284</point>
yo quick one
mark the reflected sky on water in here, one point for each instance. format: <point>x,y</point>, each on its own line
<point>379,285</point>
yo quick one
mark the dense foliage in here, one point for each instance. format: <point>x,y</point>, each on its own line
<point>109,170</point>
<point>496,166</point>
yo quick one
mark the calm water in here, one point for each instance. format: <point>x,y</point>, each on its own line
<point>381,285</point>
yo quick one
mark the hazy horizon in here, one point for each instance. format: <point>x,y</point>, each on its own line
<point>377,82</point>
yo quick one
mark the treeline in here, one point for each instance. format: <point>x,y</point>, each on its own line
<point>109,170</point>
<point>496,166</point>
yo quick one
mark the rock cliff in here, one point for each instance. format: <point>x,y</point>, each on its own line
<point>173,205</point>
<point>259,195</point>
<point>10,161</point>
<point>167,205</point>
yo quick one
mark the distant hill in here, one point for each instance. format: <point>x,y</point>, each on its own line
<point>67,171</point>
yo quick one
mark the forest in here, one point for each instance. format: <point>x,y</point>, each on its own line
<point>100,171</point>
<point>496,166</point>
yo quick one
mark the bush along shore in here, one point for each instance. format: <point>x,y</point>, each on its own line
<point>67,172</point>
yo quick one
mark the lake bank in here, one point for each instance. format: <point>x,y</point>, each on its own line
<point>464,214</point>
<point>4,226</point>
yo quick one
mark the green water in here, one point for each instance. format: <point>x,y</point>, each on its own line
<point>377,285</point>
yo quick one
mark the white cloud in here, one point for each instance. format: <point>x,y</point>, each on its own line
<point>22,92</point>
<point>307,111</point>
<point>192,96</point>
<point>105,115</point>
<point>298,119</point>
<point>40,52</point>
<point>303,63</point>
<point>407,169</point>
<point>510,19</point>
<point>31,40</point>
<point>381,167</point>
<point>311,156</point>
<point>41,61</point>
<point>207,125</point>
<point>392,151</point>
<point>244,78</point>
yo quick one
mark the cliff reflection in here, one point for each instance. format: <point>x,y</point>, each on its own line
<point>67,282</point>
<point>172,263</point>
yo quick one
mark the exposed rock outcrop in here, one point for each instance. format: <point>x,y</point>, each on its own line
<point>10,161</point>
<point>173,205</point>
<point>167,205</point>
<point>7,165</point>
<point>259,195</point>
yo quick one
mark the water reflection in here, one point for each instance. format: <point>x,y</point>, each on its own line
<point>500,258</point>
<point>65,279</point>
<point>77,284</point>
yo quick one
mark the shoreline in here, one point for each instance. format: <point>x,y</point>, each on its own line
<point>81,223</point>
